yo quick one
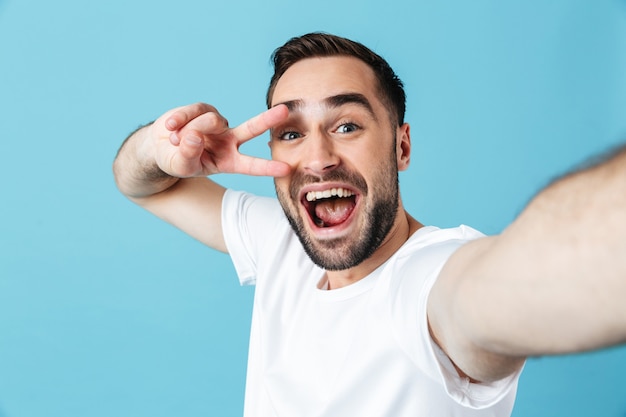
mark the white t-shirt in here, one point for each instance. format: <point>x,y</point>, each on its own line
<point>361,350</point>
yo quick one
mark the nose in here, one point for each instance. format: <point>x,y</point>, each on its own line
<point>320,155</point>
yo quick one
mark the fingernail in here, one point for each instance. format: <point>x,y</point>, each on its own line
<point>171,124</point>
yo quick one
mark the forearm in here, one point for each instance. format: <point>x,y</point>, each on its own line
<point>554,281</point>
<point>136,172</point>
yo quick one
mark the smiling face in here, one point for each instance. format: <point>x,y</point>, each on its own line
<point>342,196</point>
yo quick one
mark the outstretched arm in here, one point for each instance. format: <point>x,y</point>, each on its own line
<point>553,282</point>
<point>163,166</point>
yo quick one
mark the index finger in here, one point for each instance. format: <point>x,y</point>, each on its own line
<point>260,123</point>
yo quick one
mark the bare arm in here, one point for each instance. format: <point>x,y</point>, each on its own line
<point>553,282</point>
<point>163,166</point>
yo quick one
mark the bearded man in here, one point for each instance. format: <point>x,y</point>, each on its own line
<point>360,310</point>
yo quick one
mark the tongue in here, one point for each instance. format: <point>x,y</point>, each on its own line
<point>335,211</point>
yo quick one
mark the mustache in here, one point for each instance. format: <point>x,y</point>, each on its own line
<point>340,174</point>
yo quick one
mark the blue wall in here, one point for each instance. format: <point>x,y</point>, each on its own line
<point>106,311</point>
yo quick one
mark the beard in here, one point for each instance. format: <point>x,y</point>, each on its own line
<point>378,215</point>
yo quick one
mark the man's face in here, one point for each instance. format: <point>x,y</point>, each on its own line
<point>341,197</point>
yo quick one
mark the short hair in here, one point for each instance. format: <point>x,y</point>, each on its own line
<point>318,44</point>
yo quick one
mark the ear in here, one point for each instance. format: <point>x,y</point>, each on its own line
<point>403,146</point>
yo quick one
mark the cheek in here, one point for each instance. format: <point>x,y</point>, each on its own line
<point>282,187</point>
<point>279,153</point>
<point>281,183</point>
<point>368,163</point>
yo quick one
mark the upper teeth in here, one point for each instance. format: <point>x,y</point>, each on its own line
<point>333,192</point>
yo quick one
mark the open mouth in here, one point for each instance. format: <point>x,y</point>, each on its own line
<point>329,207</point>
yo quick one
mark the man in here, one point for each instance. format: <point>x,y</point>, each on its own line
<point>359,309</point>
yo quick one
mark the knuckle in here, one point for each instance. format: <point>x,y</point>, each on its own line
<point>200,108</point>
<point>216,120</point>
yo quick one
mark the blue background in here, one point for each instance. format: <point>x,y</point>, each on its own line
<point>106,311</point>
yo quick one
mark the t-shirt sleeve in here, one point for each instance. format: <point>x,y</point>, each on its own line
<point>418,276</point>
<point>247,220</point>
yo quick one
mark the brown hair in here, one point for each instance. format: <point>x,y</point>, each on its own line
<point>324,45</point>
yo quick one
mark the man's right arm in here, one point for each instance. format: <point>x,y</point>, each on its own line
<point>553,282</point>
<point>163,166</point>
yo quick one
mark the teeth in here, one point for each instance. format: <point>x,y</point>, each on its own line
<point>333,192</point>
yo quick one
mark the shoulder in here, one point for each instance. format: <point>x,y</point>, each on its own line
<point>256,232</point>
<point>242,211</point>
<point>430,246</point>
<point>234,201</point>
<point>418,263</point>
<point>414,269</point>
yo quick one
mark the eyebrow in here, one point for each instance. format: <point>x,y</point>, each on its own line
<point>335,101</point>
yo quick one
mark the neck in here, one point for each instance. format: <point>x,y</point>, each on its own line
<point>404,226</point>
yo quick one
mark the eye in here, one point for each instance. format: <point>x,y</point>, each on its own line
<point>289,136</point>
<point>347,128</point>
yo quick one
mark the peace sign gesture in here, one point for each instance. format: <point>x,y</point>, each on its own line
<point>163,167</point>
<point>196,140</point>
